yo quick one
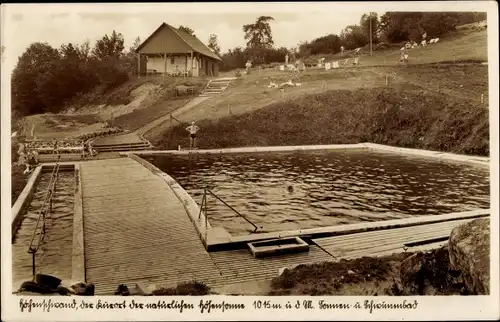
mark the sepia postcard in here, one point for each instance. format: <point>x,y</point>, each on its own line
<point>250,161</point>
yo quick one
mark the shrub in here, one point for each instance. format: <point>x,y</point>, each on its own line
<point>187,288</point>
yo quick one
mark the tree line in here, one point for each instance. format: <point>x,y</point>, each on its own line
<point>392,27</point>
<point>46,79</point>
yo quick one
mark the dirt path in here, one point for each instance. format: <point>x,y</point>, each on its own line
<point>148,127</point>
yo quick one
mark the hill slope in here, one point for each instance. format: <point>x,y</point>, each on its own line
<point>407,116</point>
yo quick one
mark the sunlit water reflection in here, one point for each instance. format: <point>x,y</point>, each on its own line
<point>306,190</point>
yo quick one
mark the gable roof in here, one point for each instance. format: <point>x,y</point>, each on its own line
<point>191,41</point>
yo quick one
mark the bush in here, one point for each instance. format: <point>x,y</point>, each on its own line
<point>187,288</point>
<point>111,73</point>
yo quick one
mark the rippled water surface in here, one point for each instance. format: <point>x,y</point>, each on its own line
<point>297,191</point>
<point>54,255</point>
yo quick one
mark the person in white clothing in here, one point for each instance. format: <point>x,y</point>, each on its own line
<point>192,129</point>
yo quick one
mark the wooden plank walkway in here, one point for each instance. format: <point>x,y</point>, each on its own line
<point>136,230</point>
<point>240,266</point>
<point>387,241</point>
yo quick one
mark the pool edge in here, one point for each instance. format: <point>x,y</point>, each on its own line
<point>476,160</point>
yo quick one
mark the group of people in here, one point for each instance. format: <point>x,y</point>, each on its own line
<point>27,158</point>
<point>29,152</point>
<point>57,147</point>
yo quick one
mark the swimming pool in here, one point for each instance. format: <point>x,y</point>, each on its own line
<point>306,190</point>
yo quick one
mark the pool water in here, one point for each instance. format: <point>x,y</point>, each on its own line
<point>307,190</point>
<point>54,256</point>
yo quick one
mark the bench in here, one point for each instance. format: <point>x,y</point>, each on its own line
<point>184,90</point>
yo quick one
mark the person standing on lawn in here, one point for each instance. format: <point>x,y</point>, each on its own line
<point>192,129</point>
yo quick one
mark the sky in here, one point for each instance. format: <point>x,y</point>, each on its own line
<point>55,24</point>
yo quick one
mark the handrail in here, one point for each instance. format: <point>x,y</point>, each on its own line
<point>204,203</point>
<point>208,84</point>
<point>174,118</point>
<point>42,215</point>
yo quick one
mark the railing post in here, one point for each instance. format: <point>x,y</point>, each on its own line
<point>206,211</point>
<point>202,203</point>
<point>43,218</point>
<point>33,263</point>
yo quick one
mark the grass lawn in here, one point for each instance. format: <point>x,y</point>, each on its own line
<point>134,120</point>
<point>250,92</point>
<point>59,126</point>
<point>405,115</point>
<point>463,45</point>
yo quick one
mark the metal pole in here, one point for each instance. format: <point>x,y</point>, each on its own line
<point>206,210</point>
<point>202,202</point>
<point>251,223</point>
<point>33,262</point>
<point>43,218</point>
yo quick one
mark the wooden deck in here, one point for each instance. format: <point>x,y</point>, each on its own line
<point>240,266</point>
<point>136,230</point>
<point>388,241</point>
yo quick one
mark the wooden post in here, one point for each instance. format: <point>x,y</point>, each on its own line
<point>186,66</point>
<point>191,70</point>
<point>138,65</point>
<point>386,80</point>
<point>165,63</point>
<point>482,98</point>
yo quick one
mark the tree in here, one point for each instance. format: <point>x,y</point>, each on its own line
<point>213,44</point>
<point>84,50</point>
<point>365,25</point>
<point>259,37</point>
<point>329,44</point>
<point>135,45</point>
<point>35,61</point>
<point>235,58</point>
<point>186,30</point>
<point>304,49</point>
<point>259,33</point>
<point>130,59</point>
<point>352,37</point>
<point>403,26</point>
<point>69,52</point>
<point>109,47</point>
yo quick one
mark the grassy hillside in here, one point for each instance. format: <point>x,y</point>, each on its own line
<point>435,88</point>
<point>128,106</point>
<point>463,45</point>
<point>407,116</point>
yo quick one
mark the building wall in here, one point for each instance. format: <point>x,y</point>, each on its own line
<point>158,63</point>
<point>199,66</point>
